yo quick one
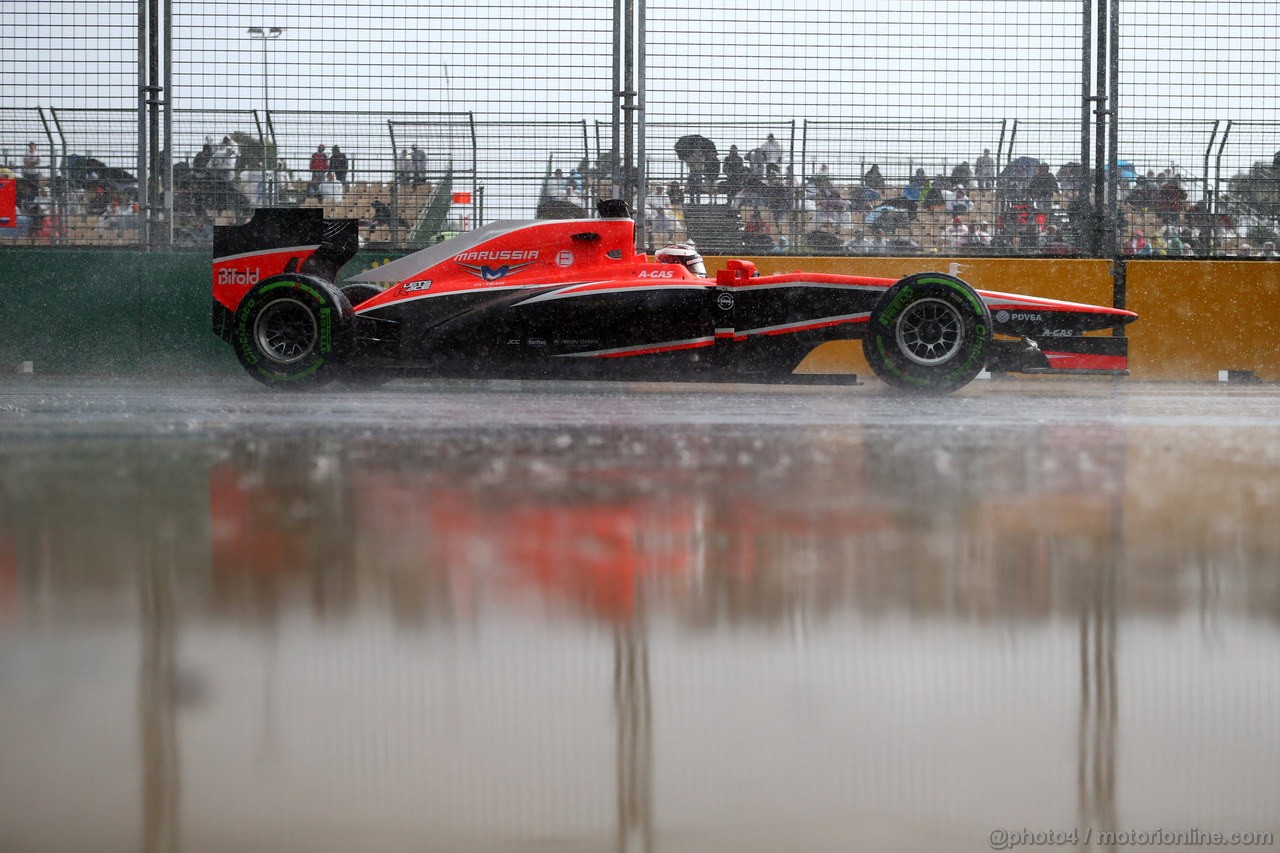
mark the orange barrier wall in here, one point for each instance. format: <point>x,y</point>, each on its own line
<point>1196,318</point>
<point>1200,317</point>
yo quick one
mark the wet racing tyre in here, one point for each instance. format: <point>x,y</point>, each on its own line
<point>930,333</point>
<point>292,331</point>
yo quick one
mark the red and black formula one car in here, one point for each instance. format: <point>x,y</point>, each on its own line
<point>573,299</point>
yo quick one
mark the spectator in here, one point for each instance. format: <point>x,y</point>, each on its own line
<point>264,187</point>
<point>1137,244</point>
<point>913,192</point>
<point>961,175</point>
<point>675,195</point>
<point>319,165</point>
<point>755,163</point>
<point>756,236</point>
<point>932,196</point>
<point>28,185</point>
<point>780,194</point>
<point>1268,250</point>
<point>383,218</point>
<point>1042,187</point>
<point>697,163</point>
<point>861,244</point>
<point>655,203</point>
<point>864,198</point>
<point>404,167</point>
<point>711,164</point>
<point>200,163</point>
<point>1244,250</point>
<point>978,237</point>
<point>223,163</point>
<point>556,186</point>
<point>873,179</point>
<point>735,171</point>
<point>31,167</point>
<point>419,158</point>
<point>228,142</point>
<point>330,189</point>
<point>772,152</point>
<point>1051,240</point>
<point>338,165</point>
<point>959,202</point>
<point>1143,195</point>
<point>956,234</point>
<point>985,171</point>
<point>1171,198</point>
<point>886,219</point>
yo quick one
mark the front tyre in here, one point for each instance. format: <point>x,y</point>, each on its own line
<point>930,333</point>
<point>292,331</point>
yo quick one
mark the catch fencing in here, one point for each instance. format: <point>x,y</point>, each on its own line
<point>1068,127</point>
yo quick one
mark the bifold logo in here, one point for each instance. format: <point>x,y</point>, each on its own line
<point>226,275</point>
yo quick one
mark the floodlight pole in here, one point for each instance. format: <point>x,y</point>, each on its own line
<point>264,35</point>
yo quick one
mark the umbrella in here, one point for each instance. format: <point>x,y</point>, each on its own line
<point>1020,169</point>
<point>1126,169</point>
<point>1016,175</point>
<point>687,146</point>
<point>83,171</point>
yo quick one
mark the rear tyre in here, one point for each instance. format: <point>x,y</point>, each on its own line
<point>929,334</point>
<point>360,292</point>
<point>293,331</point>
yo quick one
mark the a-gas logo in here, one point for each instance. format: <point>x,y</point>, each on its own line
<point>227,275</point>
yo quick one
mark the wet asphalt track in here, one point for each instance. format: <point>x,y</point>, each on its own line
<point>515,616</point>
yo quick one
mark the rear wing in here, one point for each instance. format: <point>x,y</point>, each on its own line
<point>275,241</point>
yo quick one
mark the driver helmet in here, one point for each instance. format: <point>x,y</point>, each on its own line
<point>685,254</point>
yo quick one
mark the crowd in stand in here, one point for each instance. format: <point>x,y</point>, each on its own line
<point>1027,209</point>
<point>970,209</point>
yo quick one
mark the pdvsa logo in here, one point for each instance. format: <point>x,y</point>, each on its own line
<point>1005,317</point>
<point>247,278</point>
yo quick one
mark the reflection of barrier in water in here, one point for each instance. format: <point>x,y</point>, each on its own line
<point>633,709</point>
<point>157,709</point>
<point>1099,684</point>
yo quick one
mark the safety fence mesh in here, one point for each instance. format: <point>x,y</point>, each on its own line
<point>754,126</point>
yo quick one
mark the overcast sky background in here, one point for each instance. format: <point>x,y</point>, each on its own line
<point>973,63</point>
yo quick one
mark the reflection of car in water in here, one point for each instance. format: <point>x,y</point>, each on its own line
<point>572,299</point>
<point>693,519</point>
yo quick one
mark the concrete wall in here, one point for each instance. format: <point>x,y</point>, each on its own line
<point>101,312</point>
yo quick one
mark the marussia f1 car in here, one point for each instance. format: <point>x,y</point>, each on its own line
<point>557,299</point>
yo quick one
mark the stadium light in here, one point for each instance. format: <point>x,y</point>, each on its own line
<point>264,35</point>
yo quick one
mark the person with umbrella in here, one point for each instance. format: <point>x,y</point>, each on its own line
<point>699,155</point>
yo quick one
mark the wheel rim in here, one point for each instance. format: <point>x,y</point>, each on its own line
<point>286,331</point>
<point>930,332</point>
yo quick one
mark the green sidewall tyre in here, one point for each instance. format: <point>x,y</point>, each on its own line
<point>929,333</point>
<point>292,331</point>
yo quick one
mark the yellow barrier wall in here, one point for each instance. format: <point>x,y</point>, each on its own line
<point>1195,317</point>
<point>1200,317</point>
